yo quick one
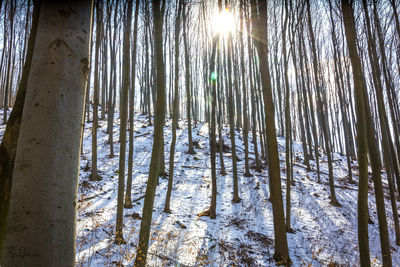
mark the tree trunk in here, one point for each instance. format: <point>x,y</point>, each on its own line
<point>119,238</point>
<point>187,81</point>
<point>128,198</point>
<point>94,176</point>
<point>46,202</point>
<point>281,254</point>
<point>362,144</point>
<point>8,147</point>
<point>145,225</point>
<point>174,110</point>
<point>244,95</point>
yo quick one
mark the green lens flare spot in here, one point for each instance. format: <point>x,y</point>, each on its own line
<point>214,76</point>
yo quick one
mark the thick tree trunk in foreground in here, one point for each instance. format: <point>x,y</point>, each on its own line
<point>8,147</point>
<point>41,222</point>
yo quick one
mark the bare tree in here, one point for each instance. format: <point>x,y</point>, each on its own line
<point>46,202</point>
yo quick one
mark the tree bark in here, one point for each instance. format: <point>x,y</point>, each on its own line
<point>145,225</point>
<point>362,142</point>
<point>8,147</point>
<point>119,239</point>
<point>281,254</point>
<point>128,198</point>
<point>174,110</point>
<point>41,228</point>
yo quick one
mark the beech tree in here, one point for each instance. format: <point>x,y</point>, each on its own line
<point>259,19</point>
<point>159,118</point>
<point>119,239</point>
<point>43,194</point>
<point>289,92</point>
<point>8,147</point>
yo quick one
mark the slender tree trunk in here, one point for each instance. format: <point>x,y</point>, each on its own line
<point>128,198</point>
<point>8,86</point>
<point>174,110</point>
<point>212,211</point>
<point>322,113</point>
<point>362,141</point>
<point>373,148</point>
<point>119,238</point>
<point>281,254</point>
<point>187,81</point>
<point>288,124</point>
<point>244,95</point>
<point>145,225</point>
<point>94,176</point>
<point>220,122</point>
<point>230,104</point>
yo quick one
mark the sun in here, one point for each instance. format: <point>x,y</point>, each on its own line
<point>223,22</point>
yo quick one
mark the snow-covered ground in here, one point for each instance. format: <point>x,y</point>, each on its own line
<point>242,233</point>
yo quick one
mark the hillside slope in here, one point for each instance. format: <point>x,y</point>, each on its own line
<point>242,234</point>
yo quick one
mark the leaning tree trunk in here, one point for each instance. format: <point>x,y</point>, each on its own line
<point>376,165</point>
<point>43,207</point>
<point>362,142</point>
<point>321,107</point>
<point>144,234</point>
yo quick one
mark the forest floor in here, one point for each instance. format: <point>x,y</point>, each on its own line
<point>242,233</point>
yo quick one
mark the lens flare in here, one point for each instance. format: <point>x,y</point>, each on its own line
<point>223,22</point>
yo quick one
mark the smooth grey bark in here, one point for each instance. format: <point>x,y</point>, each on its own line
<point>41,222</point>
<point>8,147</point>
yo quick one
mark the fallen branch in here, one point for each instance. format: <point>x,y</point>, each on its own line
<point>139,198</point>
<point>141,134</point>
<point>192,167</point>
<point>95,195</point>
